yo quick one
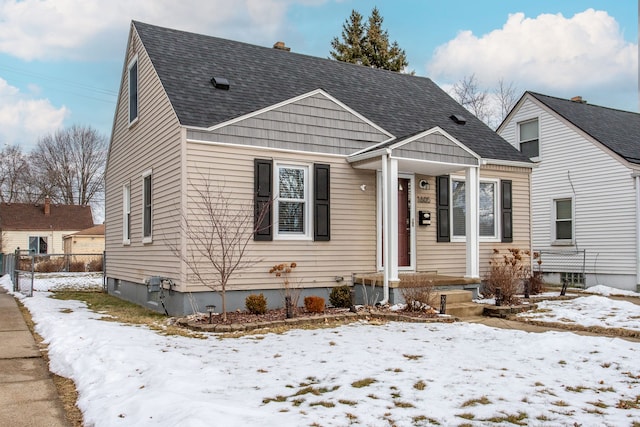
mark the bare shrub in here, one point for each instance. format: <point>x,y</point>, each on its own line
<point>536,284</point>
<point>290,289</point>
<point>50,266</point>
<point>95,265</point>
<point>507,272</point>
<point>419,296</point>
<point>77,266</point>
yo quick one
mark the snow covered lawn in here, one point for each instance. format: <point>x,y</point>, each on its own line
<point>357,374</point>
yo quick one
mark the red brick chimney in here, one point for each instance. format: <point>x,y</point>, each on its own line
<point>47,206</point>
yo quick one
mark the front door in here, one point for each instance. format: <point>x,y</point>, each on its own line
<point>404,222</point>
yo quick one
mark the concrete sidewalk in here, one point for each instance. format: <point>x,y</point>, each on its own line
<point>28,397</point>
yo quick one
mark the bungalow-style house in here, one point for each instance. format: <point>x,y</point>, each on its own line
<point>87,241</point>
<point>40,228</point>
<point>363,172</point>
<point>585,187</point>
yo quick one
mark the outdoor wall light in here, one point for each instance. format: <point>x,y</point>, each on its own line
<point>424,184</point>
<point>363,187</point>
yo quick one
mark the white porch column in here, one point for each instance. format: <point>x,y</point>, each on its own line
<point>472,198</point>
<point>385,228</point>
<point>392,171</point>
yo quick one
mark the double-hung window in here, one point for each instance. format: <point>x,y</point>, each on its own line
<point>529,138</point>
<point>292,201</point>
<point>488,220</point>
<point>146,207</point>
<point>126,214</point>
<point>133,90</point>
<point>563,213</point>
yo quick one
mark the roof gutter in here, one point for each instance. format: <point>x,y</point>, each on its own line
<point>513,163</point>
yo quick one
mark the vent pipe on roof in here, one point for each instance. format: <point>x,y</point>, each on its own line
<point>579,100</point>
<point>281,46</point>
<point>220,83</point>
<point>458,119</point>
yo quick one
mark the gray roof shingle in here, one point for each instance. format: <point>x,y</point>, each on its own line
<point>618,130</point>
<point>260,77</point>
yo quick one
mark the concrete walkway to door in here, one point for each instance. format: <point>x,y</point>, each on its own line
<point>28,397</point>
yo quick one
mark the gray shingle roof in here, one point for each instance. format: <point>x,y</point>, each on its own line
<point>618,130</point>
<point>260,77</point>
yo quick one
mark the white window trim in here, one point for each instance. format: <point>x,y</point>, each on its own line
<point>307,235</point>
<point>38,237</point>
<point>537,119</point>
<point>149,238</point>
<point>554,240</point>
<point>496,238</point>
<point>130,65</point>
<point>126,209</point>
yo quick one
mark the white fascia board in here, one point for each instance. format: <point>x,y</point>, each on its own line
<point>290,101</point>
<point>352,158</point>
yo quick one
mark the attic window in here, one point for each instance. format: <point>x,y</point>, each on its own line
<point>220,83</point>
<point>458,119</point>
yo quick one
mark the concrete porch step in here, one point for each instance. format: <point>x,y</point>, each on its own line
<point>465,309</point>
<point>459,303</point>
<point>454,296</point>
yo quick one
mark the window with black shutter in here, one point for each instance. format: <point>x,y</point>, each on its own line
<point>321,203</point>
<point>442,208</point>
<point>263,190</point>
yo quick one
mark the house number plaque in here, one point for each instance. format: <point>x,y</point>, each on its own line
<point>424,199</point>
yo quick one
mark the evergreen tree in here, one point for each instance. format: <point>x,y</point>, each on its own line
<point>368,44</point>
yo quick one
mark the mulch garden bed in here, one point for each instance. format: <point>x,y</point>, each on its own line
<point>245,321</point>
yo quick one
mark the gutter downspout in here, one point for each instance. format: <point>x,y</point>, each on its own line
<point>385,227</point>
<point>637,177</point>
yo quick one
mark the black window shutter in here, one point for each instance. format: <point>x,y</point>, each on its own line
<point>321,203</point>
<point>507,211</point>
<point>442,207</point>
<point>263,188</point>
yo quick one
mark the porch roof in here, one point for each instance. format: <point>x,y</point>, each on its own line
<point>432,152</point>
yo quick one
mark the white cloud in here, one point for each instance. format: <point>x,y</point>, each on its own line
<point>23,119</point>
<point>82,29</point>
<point>550,52</point>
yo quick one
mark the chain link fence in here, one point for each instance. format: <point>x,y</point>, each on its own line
<point>26,265</point>
<point>558,267</point>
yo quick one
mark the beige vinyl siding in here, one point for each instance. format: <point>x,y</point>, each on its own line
<point>151,143</point>
<point>84,244</point>
<point>20,239</point>
<point>572,165</point>
<point>314,124</point>
<point>449,257</point>
<point>352,247</point>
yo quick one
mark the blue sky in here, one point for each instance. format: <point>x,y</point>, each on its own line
<point>61,60</point>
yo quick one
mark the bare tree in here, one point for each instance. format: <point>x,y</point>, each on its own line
<point>13,174</point>
<point>218,229</point>
<point>506,95</point>
<point>470,96</point>
<point>70,164</point>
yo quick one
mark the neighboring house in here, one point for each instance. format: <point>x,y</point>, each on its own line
<point>364,154</point>
<point>40,227</point>
<point>88,241</point>
<point>586,187</point>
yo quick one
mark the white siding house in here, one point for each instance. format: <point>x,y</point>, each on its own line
<point>585,190</point>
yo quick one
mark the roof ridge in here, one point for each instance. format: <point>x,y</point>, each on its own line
<point>537,94</point>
